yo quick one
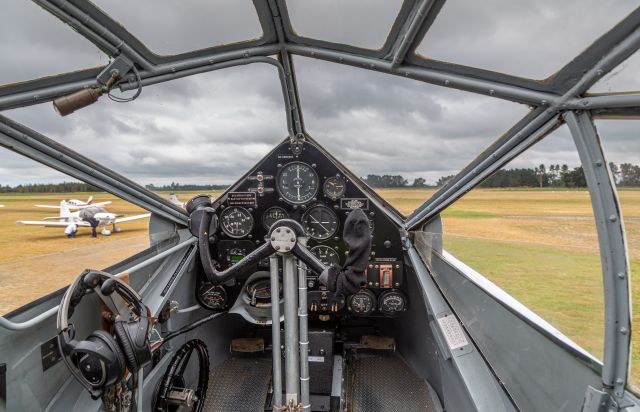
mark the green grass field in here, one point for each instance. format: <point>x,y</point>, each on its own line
<point>539,245</point>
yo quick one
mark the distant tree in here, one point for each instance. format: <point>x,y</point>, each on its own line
<point>444,180</point>
<point>629,175</point>
<point>419,182</point>
<point>615,172</point>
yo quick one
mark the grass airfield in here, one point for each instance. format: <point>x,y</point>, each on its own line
<point>539,245</point>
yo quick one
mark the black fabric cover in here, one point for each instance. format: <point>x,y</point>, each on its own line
<point>357,234</point>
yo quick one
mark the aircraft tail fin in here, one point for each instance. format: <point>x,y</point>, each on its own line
<point>65,212</point>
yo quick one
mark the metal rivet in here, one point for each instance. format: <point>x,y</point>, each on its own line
<point>621,275</point>
<point>273,238</point>
<point>277,247</point>
<point>599,72</point>
<point>613,218</point>
<point>447,82</point>
<point>619,381</point>
<point>492,92</point>
<point>599,163</point>
<point>623,331</point>
<point>293,239</point>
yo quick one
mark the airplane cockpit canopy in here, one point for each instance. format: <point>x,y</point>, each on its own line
<point>523,69</point>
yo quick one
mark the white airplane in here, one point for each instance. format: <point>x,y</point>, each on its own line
<point>75,204</point>
<point>173,198</point>
<point>82,218</point>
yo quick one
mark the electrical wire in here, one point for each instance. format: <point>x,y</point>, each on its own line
<point>185,329</point>
<point>127,99</point>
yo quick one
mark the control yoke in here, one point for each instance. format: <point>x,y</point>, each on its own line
<point>283,238</point>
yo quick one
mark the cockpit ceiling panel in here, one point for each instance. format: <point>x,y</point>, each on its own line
<point>623,78</point>
<point>34,43</point>
<point>379,124</point>
<point>359,23</point>
<point>530,39</point>
<point>169,28</point>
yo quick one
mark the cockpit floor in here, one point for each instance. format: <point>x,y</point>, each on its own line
<point>385,383</point>
<point>239,384</point>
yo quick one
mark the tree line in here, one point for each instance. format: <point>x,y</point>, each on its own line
<point>177,187</point>
<point>64,187</point>
<point>554,175</point>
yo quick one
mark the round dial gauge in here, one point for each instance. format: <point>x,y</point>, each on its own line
<point>212,297</point>
<point>334,187</point>
<point>320,222</point>
<point>272,215</point>
<point>297,183</point>
<point>326,255</point>
<point>236,221</point>
<point>392,302</point>
<point>362,303</point>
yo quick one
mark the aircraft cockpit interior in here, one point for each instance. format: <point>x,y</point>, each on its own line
<point>302,285</point>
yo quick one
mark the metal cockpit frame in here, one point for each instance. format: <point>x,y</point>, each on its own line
<point>562,98</point>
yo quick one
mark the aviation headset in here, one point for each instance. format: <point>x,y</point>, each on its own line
<point>101,360</point>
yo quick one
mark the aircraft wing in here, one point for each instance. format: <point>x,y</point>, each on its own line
<point>130,218</point>
<point>48,206</point>
<point>50,223</point>
<point>72,207</point>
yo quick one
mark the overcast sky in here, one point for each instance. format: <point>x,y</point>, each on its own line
<point>210,128</point>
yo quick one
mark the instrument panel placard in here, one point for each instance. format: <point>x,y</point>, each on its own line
<point>243,199</point>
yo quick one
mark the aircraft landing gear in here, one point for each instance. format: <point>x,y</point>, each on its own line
<point>105,232</point>
<point>116,229</point>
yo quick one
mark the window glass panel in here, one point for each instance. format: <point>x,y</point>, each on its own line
<point>169,27</point>
<point>207,129</point>
<point>361,23</point>
<point>523,38</point>
<point>34,43</point>
<point>539,244</point>
<point>620,139</point>
<point>380,125</point>
<point>36,260</point>
<point>623,78</point>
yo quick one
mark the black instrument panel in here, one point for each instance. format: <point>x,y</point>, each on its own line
<point>315,191</point>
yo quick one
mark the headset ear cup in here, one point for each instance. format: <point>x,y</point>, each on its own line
<point>127,347</point>
<point>115,371</point>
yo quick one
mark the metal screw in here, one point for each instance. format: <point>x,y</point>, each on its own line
<point>277,247</point>
<point>613,218</point>
<point>621,275</point>
<point>623,331</point>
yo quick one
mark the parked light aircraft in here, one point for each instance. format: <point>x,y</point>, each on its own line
<point>83,217</point>
<point>300,288</point>
<point>75,204</point>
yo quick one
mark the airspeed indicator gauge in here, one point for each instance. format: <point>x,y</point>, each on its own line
<point>334,187</point>
<point>297,183</point>
<point>236,222</point>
